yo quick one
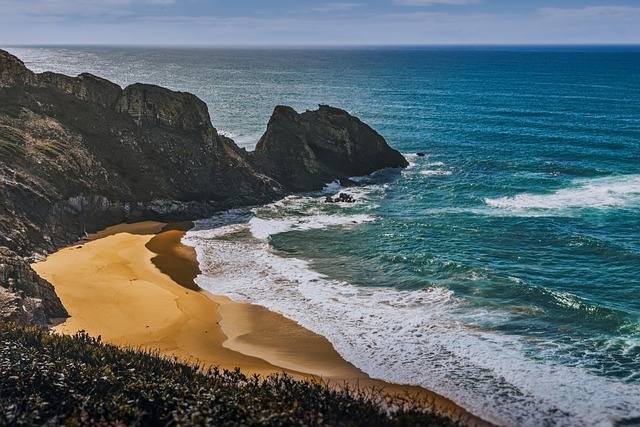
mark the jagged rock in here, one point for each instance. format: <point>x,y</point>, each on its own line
<point>86,87</point>
<point>34,295</point>
<point>341,198</point>
<point>305,151</point>
<point>23,311</point>
<point>13,71</point>
<point>78,154</point>
<point>153,105</point>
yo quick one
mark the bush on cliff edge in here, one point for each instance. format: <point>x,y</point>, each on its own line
<point>53,379</point>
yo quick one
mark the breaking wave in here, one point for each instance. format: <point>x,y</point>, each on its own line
<point>599,193</point>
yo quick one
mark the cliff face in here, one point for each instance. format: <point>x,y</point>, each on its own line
<point>25,298</point>
<point>80,153</point>
<point>77,154</point>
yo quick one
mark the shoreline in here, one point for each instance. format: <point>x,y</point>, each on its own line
<point>139,278</point>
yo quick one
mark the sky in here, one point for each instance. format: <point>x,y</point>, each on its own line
<point>317,22</point>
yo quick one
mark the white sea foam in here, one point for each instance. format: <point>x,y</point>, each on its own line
<point>263,228</point>
<point>436,172</point>
<point>411,159</point>
<point>412,337</point>
<point>610,192</point>
<point>332,187</point>
<point>436,164</point>
<point>247,141</point>
<point>427,167</point>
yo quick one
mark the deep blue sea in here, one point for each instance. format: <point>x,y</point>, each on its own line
<point>502,269</point>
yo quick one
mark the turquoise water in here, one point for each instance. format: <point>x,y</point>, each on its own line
<point>501,269</point>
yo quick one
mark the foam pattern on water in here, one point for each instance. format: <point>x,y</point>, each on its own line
<point>409,337</point>
<point>598,193</point>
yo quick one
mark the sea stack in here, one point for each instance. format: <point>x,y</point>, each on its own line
<point>305,151</point>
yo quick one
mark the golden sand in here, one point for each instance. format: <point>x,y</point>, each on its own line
<point>133,286</point>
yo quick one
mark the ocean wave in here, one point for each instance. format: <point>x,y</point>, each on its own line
<point>407,337</point>
<point>332,187</point>
<point>436,172</point>
<point>263,228</point>
<point>599,193</point>
<point>424,166</point>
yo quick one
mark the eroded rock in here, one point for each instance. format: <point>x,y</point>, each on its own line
<point>305,151</point>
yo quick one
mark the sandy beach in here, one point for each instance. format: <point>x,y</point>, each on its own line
<point>133,285</point>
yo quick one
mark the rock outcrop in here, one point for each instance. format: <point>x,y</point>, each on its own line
<point>78,154</point>
<point>25,298</point>
<point>305,151</point>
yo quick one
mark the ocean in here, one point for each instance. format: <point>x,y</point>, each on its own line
<point>501,269</point>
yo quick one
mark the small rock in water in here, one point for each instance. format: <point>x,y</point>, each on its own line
<point>342,198</point>
<point>420,154</point>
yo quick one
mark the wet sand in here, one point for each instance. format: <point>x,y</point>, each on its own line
<point>133,285</point>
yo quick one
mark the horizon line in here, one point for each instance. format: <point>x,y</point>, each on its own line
<point>319,45</point>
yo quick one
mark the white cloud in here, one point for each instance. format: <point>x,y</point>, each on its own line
<point>337,7</point>
<point>80,3</point>
<point>591,12</point>
<point>89,11</point>
<point>70,7</point>
<point>590,24</point>
<point>434,2</point>
<point>115,21</point>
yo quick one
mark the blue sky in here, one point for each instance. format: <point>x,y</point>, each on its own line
<point>313,22</point>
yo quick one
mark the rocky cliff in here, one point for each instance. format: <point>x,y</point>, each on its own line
<point>80,153</point>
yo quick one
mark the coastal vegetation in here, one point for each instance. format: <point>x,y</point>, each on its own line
<point>51,379</point>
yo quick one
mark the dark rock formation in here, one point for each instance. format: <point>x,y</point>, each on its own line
<point>78,154</point>
<point>341,198</point>
<point>25,297</point>
<point>306,151</point>
<point>20,310</point>
<point>13,71</point>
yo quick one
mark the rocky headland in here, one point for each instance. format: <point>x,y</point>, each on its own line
<point>78,154</point>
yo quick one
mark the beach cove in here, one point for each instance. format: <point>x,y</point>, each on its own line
<point>498,270</point>
<point>132,285</point>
